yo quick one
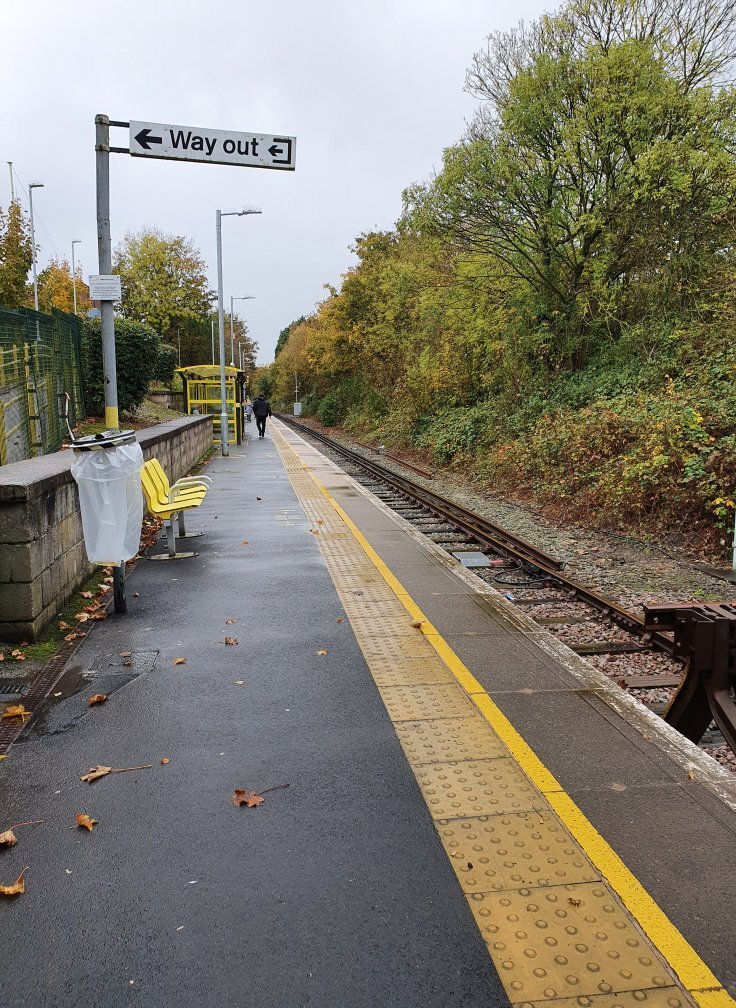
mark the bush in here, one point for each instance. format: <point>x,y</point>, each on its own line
<point>328,410</point>
<point>166,362</point>
<point>136,349</point>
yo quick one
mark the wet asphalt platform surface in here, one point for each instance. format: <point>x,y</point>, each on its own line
<point>334,892</point>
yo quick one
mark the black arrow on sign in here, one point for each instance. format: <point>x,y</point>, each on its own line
<point>273,150</point>
<point>145,139</point>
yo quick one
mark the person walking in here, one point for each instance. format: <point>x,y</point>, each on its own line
<point>261,410</point>
<point>248,410</point>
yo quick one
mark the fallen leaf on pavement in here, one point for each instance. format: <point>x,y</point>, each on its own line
<point>125,654</point>
<point>230,640</point>
<point>239,682</point>
<point>84,820</point>
<point>16,888</point>
<point>8,838</point>
<point>136,594</point>
<point>99,615</point>
<point>417,623</point>
<point>251,799</point>
<point>97,698</point>
<point>340,619</point>
<point>165,760</point>
<point>314,531</point>
<point>63,625</point>
<point>94,773</point>
<point>16,710</point>
<point>573,902</point>
<point>691,775</point>
<point>180,661</point>
<point>247,798</point>
<point>229,622</point>
<point>18,655</point>
<point>107,580</point>
<point>323,651</point>
<point>320,521</point>
<point>87,594</point>
<point>2,657</point>
<point>258,498</point>
<point>245,542</point>
<point>81,617</point>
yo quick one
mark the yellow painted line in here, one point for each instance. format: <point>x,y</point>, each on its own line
<point>682,958</point>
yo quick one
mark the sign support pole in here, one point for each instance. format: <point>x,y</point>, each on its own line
<point>104,247</point>
<point>224,429</point>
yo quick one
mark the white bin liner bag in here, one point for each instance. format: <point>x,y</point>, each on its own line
<point>111,501</point>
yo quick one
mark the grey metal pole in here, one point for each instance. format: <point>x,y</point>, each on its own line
<point>213,341</point>
<point>224,432</point>
<point>232,338</point>
<point>31,187</point>
<point>104,247</point>
<point>77,241</point>
<point>12,188</point>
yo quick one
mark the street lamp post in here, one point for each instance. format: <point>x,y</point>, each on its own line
<point>219,214</point>
<point>77,241</point>
<point>31,187</point>
<point>246,297</point>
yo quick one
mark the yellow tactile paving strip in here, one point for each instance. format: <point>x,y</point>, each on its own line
<point>562,918</point>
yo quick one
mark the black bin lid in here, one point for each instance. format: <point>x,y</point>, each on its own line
<point>105,439</point>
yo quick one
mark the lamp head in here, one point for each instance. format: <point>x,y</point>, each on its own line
<point>36,185</point>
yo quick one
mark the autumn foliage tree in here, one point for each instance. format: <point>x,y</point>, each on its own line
<point>56,289</point>
<point>16,256</point>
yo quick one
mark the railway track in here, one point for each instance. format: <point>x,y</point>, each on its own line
<point>638,658</point>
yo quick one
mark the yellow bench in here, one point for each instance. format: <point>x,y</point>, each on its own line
<point>167,502</point>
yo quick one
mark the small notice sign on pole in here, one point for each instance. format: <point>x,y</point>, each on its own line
<point>105,287</point>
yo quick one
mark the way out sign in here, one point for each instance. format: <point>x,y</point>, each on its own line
<point>189,143</point>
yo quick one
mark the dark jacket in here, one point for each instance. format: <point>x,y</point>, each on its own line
<point>261,406</point>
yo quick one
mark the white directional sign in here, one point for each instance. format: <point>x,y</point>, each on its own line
<point>189,143</point>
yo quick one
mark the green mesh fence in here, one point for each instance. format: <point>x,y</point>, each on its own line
<point>40,361</point>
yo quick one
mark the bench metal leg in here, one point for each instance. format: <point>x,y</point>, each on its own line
<point>171,553</point>
<point>183,534</point>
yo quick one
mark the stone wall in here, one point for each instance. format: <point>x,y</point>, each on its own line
<point>42,557</point>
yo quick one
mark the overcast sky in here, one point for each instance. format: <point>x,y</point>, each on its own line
<point>372,90</point>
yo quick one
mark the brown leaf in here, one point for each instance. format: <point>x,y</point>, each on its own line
<point>245,542</point>
<point>136,594</point>
<point>180,661</point>
<point>340,620</point>
<point>16,888</point>
<point>691,775</point>
<point>314,531</point>
<point>63,625</point>
<point>125,654</point>
<point>165,760</point>
<point>107,580</point>
<point>105,588</point>
<point>81,617</point>
<point>2,657</point>
<point>127,664</point>
<point>19,656</point>
<point>72,636</point>
<point>84,820</point>
<point>417,623</point>
<point>258,498</point>
<point>95,773</point>
<point>87,594</point>
<point>97,698</point>
<point>320,521</point>
<point>573,902</point>
<point>229,622</point>
<point>248,798</point>
<point>16,710</point>
<point>8,838</point>
<point>322,652</point>
<point>99,615</point>
<point>230,640</point>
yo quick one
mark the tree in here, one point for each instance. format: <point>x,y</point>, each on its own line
<point>16,256</point>
<point>56,289</point>
<point>284,335</point>
<point>136,350</point>
<point>164,282</point>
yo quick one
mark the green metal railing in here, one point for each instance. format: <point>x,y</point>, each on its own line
<point>40,361</point>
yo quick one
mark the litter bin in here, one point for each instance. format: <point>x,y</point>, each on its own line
<point>107,470</point>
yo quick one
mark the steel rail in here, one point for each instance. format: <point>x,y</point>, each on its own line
<point>496,538</point>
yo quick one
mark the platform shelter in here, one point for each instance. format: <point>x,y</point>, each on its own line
<point>202,394</point>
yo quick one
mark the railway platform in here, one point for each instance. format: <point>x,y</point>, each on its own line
<point>463,811</point>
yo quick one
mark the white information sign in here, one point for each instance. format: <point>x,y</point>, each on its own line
<point>190,143</point>
<point>105,287</point>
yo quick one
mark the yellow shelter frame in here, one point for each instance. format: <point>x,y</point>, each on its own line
<point>202,394</point>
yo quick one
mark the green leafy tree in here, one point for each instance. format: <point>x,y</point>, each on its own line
<point>16,256</point>
<point>285,333</point>
<point>166,362</point>
<point>164,282</point>
<point>136,350</point>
